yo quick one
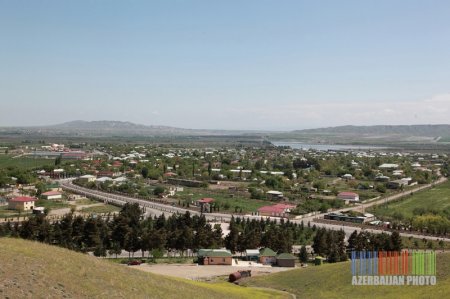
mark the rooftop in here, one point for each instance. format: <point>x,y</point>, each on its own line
<point>23,199</point>
<point>267,252</point>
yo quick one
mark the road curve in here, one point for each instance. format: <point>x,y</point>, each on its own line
<point>158,208</point>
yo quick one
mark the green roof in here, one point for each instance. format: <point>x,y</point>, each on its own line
<point>286,256</point>
<point>213,253</point>
<point>218,254</point>
<point>53,185</point>
<point>267,252</point>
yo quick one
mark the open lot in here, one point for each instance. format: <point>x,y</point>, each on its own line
<point>226,201</point>
<point>196,272</point>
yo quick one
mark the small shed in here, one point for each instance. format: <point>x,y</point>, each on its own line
<point>252,254</point>
<point>205,204</point>
<point>318,260</point>
<point>267,256</point>
<point>286,260</point>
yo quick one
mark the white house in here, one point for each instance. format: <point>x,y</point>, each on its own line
<point>52,195</point>
<point>88,177</point>
<point>351,196</point>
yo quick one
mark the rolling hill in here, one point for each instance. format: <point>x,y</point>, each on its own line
<point>334,281</point>
<point>34,270</point>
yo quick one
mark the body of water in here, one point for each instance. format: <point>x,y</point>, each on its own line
<point>325,147</point>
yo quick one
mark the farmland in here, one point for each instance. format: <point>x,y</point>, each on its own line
<point>436,199</point>
<point>24,163</point>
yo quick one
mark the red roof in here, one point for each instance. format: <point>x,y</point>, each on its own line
<point>206,200</point>
<point>278,208</point>
<point>50,193</point>
<point>347,194</point>
<point>170,174</point>
<point>23,199</point>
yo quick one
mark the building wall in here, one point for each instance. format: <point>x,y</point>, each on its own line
<point>286,263</point>
<point>24,206</point>
<point>54,196</point>
<point>218,260</point>
<point>267,260</point>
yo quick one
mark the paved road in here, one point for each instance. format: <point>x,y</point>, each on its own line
<point>152,208</point>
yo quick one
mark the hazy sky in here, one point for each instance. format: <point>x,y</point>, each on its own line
<point>225,64</point>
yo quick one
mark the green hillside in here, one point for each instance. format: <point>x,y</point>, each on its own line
<point>334,281</point>
<point>35,270</point>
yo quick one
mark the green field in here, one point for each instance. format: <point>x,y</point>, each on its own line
<point>415,243</point>
<point>35,270</point>
<point>24,162</point>
<point>101,209</point>
<point>51,204</point>
<point>334,281</point>
<point>5,212</point>
<point>437,198</point>
<point>247,204</point>
<point>85,201</point>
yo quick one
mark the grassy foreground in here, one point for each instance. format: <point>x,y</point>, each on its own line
<point>35,270</point>
<point>334,281</point>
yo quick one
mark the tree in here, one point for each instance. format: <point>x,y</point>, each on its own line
<point>303,256</point>
<point>158,190</point>
<point>396,241</point>
<point>231,240</point>
<point>58,160</point>
<point>209,169</point>
<point>352,240</point>
<point>144,172</point>
<point>131,242</point>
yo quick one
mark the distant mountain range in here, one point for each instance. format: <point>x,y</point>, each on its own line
<point>341,134</point>
<point>370,134</point>
<point>107,128</point>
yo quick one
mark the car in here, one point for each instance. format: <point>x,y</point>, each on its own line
<point>134,263</point>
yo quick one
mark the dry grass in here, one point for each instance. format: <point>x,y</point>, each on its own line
<point>35,270</point>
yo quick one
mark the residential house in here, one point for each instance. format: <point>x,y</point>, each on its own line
<point>350,196</point>
<point>52,195</point>
<point>88,178</point>
<point>22,203</point>
<point>274,195</point>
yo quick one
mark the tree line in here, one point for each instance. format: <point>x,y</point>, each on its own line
<point>181,234</point>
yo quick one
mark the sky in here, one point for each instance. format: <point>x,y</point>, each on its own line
<point>258,65</point>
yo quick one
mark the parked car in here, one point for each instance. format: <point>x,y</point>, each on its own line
<point>134,263</point>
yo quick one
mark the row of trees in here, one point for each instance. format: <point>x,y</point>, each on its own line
<point>183,233</point>
<point>175,234</point>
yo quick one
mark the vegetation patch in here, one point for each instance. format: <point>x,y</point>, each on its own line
<point>31,269</point>
<point>334,281</point>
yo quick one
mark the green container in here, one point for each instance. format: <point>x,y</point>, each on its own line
<point>318,260</point>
